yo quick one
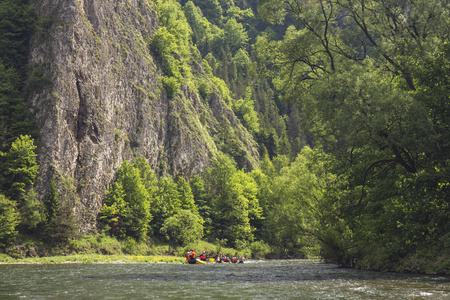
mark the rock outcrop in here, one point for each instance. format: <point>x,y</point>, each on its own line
<point>105,104</point>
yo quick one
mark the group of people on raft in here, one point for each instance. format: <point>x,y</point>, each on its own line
<point>226,259</point>
<point>192,257</point>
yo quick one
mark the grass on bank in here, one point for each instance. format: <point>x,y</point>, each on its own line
<point>91,258</point>
<point>102,248</point>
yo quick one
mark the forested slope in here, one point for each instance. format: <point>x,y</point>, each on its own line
<point>372,82</point>
<point>281,128</point>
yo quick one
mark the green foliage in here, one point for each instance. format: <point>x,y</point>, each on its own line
<point>19,168</point>
<point>10,103</point>
<point>372,95</point>
<point>129,245</point>
<point>32,211</point>
<point>109,248</point>
<point>185,195</point>
<point>364,82</point>
<point>264,195</point>
<point>239,14</point>
<point>219,175</point>
<point>231,72</point>
<point>182,228</point>
<point>242,62</point>
<point>211,8</point>
<point>248,188</point>
<point>65,225</point>
<point>17,23</point>
<point>234,201</point>
<point>207,36</point>
<point>204,88</point>
<point>164,46</point>
<point>272,11</point>
<point>171,86</point>
<point>203,202</point>
<point>94,258</point>
<point>259,250</point>
<point>167,202</point>
<point>171,46</point>
<point>171,198</point>
<point>233,212</point>
<point>137,199</point>
<point>114,210</point>
<point>244,110</point>
<point>148,177</point>
<point>9,219</point>
<point>433,83</point>
<point>37,81</point>
<point>235,35</point>
<point>101,244</point>
<point>126,209</point>
<point>52,204</point>
<point>197,185</point>
<point>298,193</point>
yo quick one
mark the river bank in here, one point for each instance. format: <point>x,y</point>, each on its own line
<point>105,249</point>
<point>92,259</point>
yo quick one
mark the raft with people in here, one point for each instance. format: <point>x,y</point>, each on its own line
<point>193,259</point>
<point>195,262</point>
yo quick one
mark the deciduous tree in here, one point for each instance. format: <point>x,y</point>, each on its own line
<point>182,228</point>
<point>9,219</point>
<point>19,168</point>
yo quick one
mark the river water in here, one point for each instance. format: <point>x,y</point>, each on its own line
<point>278,279</point>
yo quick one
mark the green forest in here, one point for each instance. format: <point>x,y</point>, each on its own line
<point>348,101</point>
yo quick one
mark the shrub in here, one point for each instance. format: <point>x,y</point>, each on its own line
<point>204,89</point>
<point>171,86</point>
<point>182,228</point>
<point>9,219</point>
<point>259,249</point>
<point>129,245</point>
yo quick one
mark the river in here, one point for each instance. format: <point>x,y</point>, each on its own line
<point>278,279</point>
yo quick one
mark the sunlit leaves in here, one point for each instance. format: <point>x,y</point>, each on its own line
<point>244,109</point>
<point>235,35</point>
<point>171,45</point>
<point>370,80</point>
<point>295,210</point>
<point>127,205</point>
<point>19,167</point>
<point>9,219</point>
<point>182,228</point>
<point>234,203</point>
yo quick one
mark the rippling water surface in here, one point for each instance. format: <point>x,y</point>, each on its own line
<point>279,279</point>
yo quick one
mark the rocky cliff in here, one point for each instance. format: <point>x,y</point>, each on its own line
<point>105,103</point>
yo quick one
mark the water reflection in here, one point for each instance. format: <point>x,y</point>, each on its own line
<point>254,280</point>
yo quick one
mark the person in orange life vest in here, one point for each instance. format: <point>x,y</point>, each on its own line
<point>192,254</point>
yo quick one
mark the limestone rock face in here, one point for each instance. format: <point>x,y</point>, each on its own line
<point>105,104</point>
